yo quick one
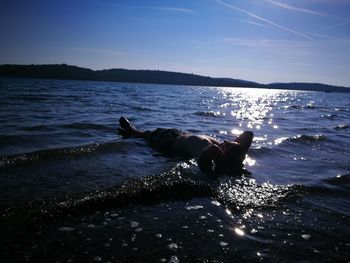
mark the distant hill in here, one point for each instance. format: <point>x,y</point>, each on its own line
<point>64,71</point>
<point>308,86</point>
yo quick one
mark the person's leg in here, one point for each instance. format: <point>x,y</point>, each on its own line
<point>128,130</point>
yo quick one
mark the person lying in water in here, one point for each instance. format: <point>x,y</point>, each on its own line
<point>214,157</point>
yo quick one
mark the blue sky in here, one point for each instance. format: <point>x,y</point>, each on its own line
<point>259,40</point>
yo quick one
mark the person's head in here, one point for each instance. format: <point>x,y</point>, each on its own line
<point>235,152</point>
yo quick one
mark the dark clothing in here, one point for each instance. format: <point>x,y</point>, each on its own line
<point>162,139</point>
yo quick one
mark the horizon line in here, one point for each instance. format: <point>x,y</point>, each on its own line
<point>194,74</point>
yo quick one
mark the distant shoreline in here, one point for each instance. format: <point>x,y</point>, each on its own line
<point>67,72</point>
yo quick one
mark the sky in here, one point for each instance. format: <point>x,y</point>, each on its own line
<point>259,40</point>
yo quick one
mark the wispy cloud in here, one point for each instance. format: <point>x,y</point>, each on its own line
<point>321,36</point>
<point>262,42</point>
<point>295,45</point>
<point>172,9</point>
<point>251,22</point>
<point>302,10</point>
<point>294,8</point>
<point>337,2</point>
<point>163,8</point>
<point>265,20</point>
<point>314,33</point>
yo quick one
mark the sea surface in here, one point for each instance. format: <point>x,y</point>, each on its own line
<point>71,190</point>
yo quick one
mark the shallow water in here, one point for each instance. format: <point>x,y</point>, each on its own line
<point>73,191</point>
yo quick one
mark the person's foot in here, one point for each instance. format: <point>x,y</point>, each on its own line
<point>127,129</point>
<point>126,125</point>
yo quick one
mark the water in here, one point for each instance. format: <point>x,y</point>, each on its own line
<point>73,191</point>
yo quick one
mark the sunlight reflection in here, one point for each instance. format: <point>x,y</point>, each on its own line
<point>248,213</point>
<point>249,161</point>
<point>280,140</point>
<point>259,215</point>
<point>259,139</point>
<point>239,231</point>
<point>253,106</point>
<point>236,132</point>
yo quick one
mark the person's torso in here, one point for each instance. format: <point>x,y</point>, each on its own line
<point>192,145</point>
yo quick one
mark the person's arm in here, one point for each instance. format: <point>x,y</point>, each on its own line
<point>212,153</point>
<point>245,140</point>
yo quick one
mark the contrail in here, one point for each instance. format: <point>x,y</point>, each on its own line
<point>303,10</point>
<point>294,8</point>
<point>332,26</point>
<point>265,20</point>
<point>173,9</point>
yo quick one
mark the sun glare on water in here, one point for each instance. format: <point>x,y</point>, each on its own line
<point>252,109</point>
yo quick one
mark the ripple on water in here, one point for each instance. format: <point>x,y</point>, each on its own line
<point>134,224</point>
<point>174,259</point>
<point>194,207</point>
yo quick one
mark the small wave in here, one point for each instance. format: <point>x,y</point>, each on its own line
<point>301,139</point>
<point>308,138</point>
<point>342,127</point>
<point>52,154</point>
<point>179,183</point>
<point>259,151</point>
<point>147,190</point>
<point>208,113</point>
<point>13,139</point>
<point>338,186</point>
<point>331,194</point>
<point>138,108</point>
<point>77,126</point>
<point>310,106</point>
<point>301,107</point>
<point>44,128</point>
<point>341,180</point>
<point>86,126</point>
<point>297,107</point>
<point>29,98</point>
<point>329,116</point>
